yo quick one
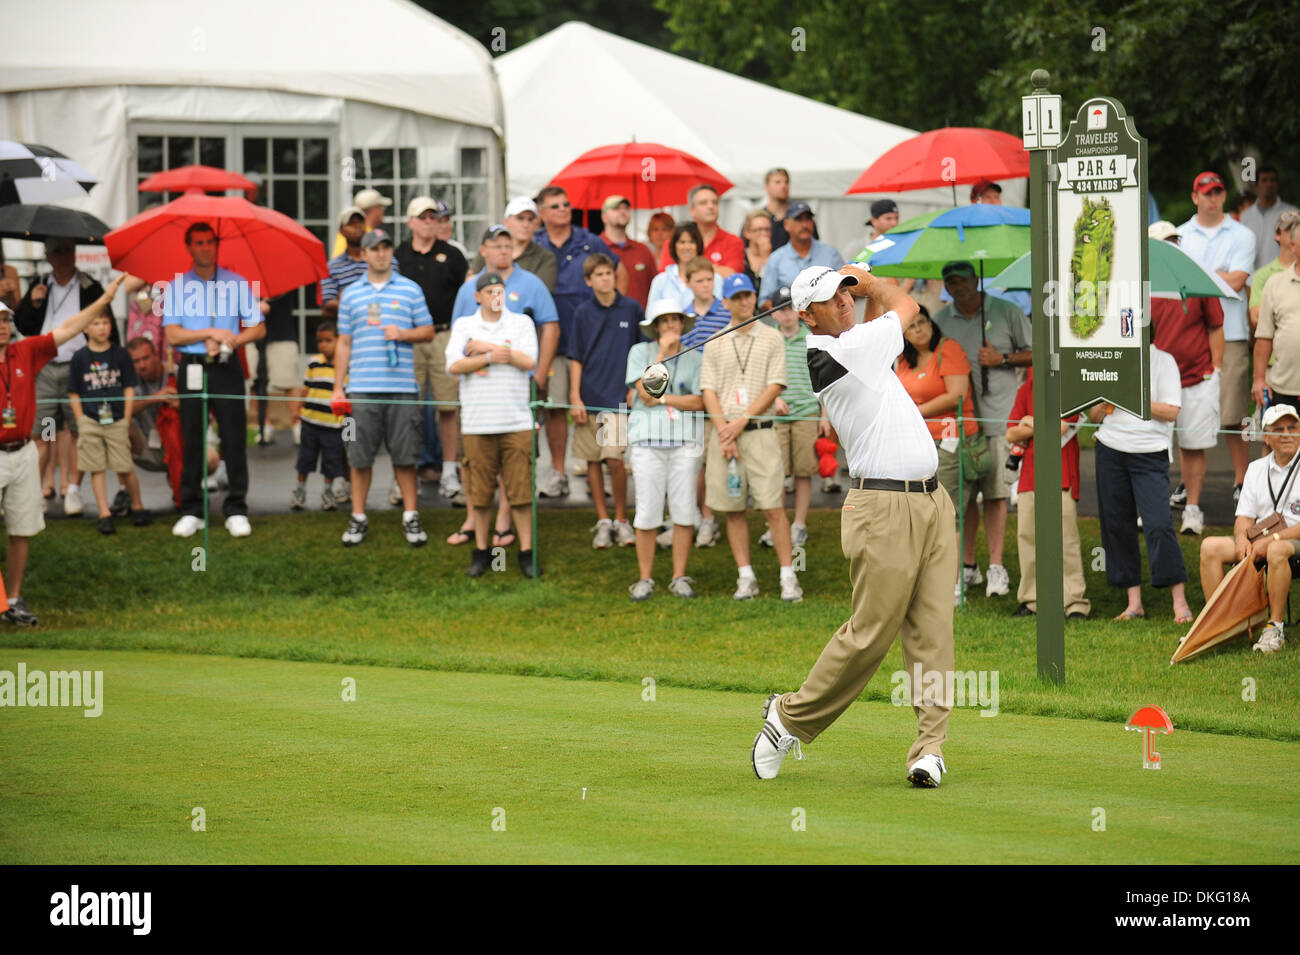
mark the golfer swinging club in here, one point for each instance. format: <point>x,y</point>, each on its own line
<point>896,527</point>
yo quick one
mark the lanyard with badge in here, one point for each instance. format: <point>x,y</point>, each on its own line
<point>9,417</point>
<point>742,393</point>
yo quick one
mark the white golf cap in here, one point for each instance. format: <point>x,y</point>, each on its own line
<point>1164,229</point>
<point>520,204</point>
<point>422,204</point>
<point>817,284</point>
<point>368,198</point>
<point>1276,413</point>
<point>346,215</point>
<point>5,308</point>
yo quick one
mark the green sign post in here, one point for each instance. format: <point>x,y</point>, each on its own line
<point>1088,258</point>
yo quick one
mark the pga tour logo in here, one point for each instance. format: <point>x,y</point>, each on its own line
<point>1126,322</point>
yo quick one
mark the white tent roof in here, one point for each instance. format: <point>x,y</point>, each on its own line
<point>389,52</point>
<point>578,87</point>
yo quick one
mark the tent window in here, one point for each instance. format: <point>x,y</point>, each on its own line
<point>457,177</point>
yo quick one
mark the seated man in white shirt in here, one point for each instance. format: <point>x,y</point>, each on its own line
<point>1272,484</point>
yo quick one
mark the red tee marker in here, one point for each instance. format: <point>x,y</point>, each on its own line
<point>1150,719</point>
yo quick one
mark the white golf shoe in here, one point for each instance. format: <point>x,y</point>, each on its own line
<point>927,772</point>
<point>773,743</point>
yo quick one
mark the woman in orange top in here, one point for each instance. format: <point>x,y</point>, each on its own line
<point>936,373</point>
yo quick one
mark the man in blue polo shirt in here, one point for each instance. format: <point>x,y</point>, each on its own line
<point>381,317</point>
<point>604,331</point>
<point>801,252</point>
<point>571,245</point>
<point>525,292</point>
<point>208,312</point>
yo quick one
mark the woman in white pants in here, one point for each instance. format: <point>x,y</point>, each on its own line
<point>665,445</point>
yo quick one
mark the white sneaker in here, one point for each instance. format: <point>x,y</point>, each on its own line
<point>927,772</point>
<point>604,538</point>
<point>707,535</point>
<point>664,540</point>
<point>791,592</point>
<point>642,590</point>
<point>342,491</point>
<point>799,535</point>
<point>747,588</point>
<point>218,480</point>
<point>999,581</point>
<point>681,587</point>
<point>624,535</point>
<point>449,484</point>
<point>972,575</point>
<point>773,743</point>
<point>298,499</point>
<point>1193,521</point>
<point>238,525</point>
<point>187,526</point>
<point>72,505</point>
<point>766,539</point>
<point>1271,640</point>
<point>556,485</point>
<point>268,434</point>
<point>395,496</point>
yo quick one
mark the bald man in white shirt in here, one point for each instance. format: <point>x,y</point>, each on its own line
<point>896,525</point>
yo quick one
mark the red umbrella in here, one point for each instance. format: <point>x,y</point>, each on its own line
<point>196,179</point>
<point>952,156</point>
<point>260,244</point>
<point>648,174</point>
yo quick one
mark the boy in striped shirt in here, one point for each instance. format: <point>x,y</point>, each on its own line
<point>321,428</point>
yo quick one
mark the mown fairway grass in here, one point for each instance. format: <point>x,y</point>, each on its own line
<point>417,768</point>
<point>292,592</point>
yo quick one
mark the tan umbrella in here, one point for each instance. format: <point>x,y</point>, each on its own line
<point>1238,605</point>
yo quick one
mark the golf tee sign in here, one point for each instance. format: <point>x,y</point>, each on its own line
<point>1102,302</point>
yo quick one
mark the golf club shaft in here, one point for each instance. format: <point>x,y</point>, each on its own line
<point>725,331</point>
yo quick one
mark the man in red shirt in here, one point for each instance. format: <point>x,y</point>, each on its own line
<point>638,261</point>
<point>20,479</point>
<point>1191,331</point>
<point>1021,428</point>
<point>722,248</point>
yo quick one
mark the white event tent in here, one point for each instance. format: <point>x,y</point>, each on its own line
<point>318,100</point>
<point>577,88</point>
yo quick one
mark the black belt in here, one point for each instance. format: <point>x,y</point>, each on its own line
<point>886,484</point>
<point>757,425</point>
<point>12,446</point>
<point>188,359</point>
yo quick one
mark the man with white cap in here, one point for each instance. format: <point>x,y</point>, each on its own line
<point>522,222</point>
<point>896,525</point>
<point>1271,488</point>
<point>373,205</point>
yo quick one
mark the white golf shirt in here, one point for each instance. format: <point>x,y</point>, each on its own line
<point>883,433</point>
<point>1256,501</point>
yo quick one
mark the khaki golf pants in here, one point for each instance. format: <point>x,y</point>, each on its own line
<point>902,559</point>
<point>1072,557</point>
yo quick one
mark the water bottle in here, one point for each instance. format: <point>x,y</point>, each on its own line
<point>733,479</point>
<point>392,354</point>
<point>1012,473</point>
<point>224,353</point>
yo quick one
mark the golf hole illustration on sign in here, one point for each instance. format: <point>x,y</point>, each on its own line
<point>1090,266</point>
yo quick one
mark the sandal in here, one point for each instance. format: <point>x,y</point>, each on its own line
<point>1132,615</point>
<point>505,538</point>
<point>461,536</point>
<point>48,491</point>
<point>1184,618</point>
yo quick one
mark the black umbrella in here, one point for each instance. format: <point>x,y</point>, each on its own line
<point>39,223</point>
<point>32,173</point>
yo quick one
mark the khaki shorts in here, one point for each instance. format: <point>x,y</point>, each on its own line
<point>489,455</point>
<point>103,447</point>
<point>20,491</point>
<point>557,381</point>
<point>760,472</point>
<point>52,399</point>
<point>282,372</point>
<point>1234,385</point>
<point>431,371</point>
<point>994,484</point>
<point>948,478</point>
<point>603,437</point>
<point>798,456</point>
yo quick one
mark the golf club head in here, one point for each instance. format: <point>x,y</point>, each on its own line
<point>655,379</point>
